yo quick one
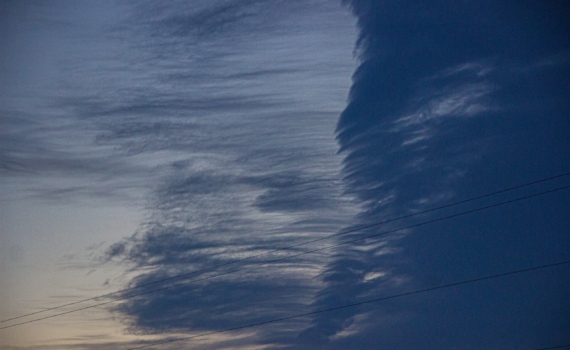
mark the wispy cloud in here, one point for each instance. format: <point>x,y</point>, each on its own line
<point>252,165</point>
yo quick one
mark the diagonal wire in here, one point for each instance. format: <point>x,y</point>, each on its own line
<point>288,247</point>
<point>296,255</point>
<point>360,303</point>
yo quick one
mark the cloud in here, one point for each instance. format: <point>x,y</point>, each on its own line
<point>221,116</point>
<point>217,118</point>
<point>250,165</point>
<point>431,111</point>
<point>205,219</point>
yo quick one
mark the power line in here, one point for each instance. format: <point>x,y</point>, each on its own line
<point>360,303</point>
<point>296,255</point>
<point>555,347</point>
<point>283,248</point>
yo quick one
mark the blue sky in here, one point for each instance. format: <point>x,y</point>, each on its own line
<point>145,140</point>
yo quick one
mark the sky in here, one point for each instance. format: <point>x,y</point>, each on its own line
<point>210,148</point>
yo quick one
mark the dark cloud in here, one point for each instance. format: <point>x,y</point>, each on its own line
<point>435,114</point>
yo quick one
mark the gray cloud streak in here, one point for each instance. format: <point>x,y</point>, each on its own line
<point>253,165</point>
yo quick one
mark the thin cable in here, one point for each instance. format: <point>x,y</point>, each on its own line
<point>289,247</point>
<point>357,304</point>
<point>293,256</point>
<point>555,347</point>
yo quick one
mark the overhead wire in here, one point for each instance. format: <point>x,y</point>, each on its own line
<point>370,301</point>
<point>296,255</point>
<point>278,250</point>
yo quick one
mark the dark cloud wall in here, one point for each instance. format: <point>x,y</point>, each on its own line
<point>453,99</point>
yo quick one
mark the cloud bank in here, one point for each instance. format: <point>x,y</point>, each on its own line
<point>441,109</point>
